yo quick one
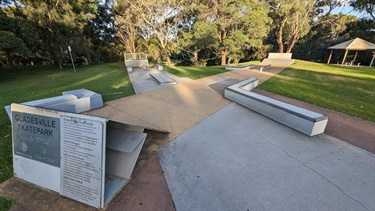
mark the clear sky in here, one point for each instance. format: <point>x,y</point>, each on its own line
<point>348,10</point>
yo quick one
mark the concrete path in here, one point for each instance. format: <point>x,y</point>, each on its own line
<point>239,160</point>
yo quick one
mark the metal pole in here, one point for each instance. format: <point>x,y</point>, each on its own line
<point>70,53</point>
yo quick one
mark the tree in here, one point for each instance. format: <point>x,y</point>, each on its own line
<point>128,27</point>
<point>197,39</point>
<point>240,24</point>
<point>314,45</point>
<point>60,20</point>
<point>11,44</point>
<point>364,5</point>
<point>158,19</point>
<point>294,19</point>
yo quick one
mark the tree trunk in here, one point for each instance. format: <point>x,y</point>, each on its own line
<point>290,47</point>
<point>195,58</point>
<point>280,42</point>
<point>88,55</point>
<point>10,61</point>
<point>169,61</point>
<point>223,57</point>
<point>50,61</point>
<point>60,65</point>
<point>166,56</point>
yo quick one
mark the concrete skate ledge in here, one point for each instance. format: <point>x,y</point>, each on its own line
<point>300,119</point>
<point>162,79</point>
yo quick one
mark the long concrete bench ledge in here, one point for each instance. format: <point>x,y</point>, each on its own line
<point>300,119</point>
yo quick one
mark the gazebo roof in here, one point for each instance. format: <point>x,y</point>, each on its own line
<point>356,44</point>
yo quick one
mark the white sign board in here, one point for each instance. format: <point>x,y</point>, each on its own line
<point>67,153</point>
<point>82,164</point>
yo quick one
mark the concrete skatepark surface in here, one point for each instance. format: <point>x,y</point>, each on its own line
<point>143,82</point>
<point>286,165</point>
<point>239,160</point>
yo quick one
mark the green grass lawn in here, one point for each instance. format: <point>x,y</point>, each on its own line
<point>32,83</point>
<point>200,72</point>
<point>194,72</point>
<point>350,90</point>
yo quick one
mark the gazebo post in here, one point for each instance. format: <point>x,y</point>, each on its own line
<point>343,60</point>
<point>372,60</point>
<point>356,54</point>
<point>330,56</point>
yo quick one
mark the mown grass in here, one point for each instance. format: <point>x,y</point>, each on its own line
<point>346,89</point>
<point>31,83</point>
<point>200,72</point>
<point>194,72</point>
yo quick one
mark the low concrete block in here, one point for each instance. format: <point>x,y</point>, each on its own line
<point>87,100</point>
<point>158,67</point>
<point>300,119</point>
<point>265,68</point>
<point>162,79</point>
<point>75,101</point>
<point>45,103</point>
<point>239,67</point>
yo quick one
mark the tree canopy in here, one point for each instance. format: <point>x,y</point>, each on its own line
<point>205,31</point>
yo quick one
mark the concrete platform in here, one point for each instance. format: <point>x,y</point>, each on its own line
<point>258,164</point>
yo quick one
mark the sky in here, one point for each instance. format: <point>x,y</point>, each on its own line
<point>348,10</point>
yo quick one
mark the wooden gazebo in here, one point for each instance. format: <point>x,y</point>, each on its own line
<point>356,44</point>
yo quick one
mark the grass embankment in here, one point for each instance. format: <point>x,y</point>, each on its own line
<point>32,83</point>
<point>346,89</point>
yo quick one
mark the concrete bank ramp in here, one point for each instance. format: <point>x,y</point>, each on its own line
<point>239,160</point>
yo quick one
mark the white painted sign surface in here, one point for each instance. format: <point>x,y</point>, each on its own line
<point>82,154</point>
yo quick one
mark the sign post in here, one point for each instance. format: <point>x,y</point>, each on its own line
<point>71,58</point>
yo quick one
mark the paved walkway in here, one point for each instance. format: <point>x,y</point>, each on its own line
<point>182,108</point>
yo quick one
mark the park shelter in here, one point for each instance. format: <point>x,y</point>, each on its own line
<point>356,44</point>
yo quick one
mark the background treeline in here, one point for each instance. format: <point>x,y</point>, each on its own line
<point>205,32</point>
